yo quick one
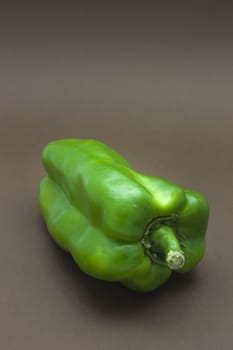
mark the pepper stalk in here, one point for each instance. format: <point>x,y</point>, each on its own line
<point>163,243</point>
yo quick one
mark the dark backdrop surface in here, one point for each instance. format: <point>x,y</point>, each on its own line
<point>155,83</point>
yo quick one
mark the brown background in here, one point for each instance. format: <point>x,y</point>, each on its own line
<point>155,83</point>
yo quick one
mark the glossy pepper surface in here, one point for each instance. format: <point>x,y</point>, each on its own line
<point>118,224</point>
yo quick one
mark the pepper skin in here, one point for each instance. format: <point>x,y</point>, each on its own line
<point>118,224</point>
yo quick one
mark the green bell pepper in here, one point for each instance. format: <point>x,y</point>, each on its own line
<point>118,224</point>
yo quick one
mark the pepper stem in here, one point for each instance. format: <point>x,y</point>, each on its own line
<point>161,243</point>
